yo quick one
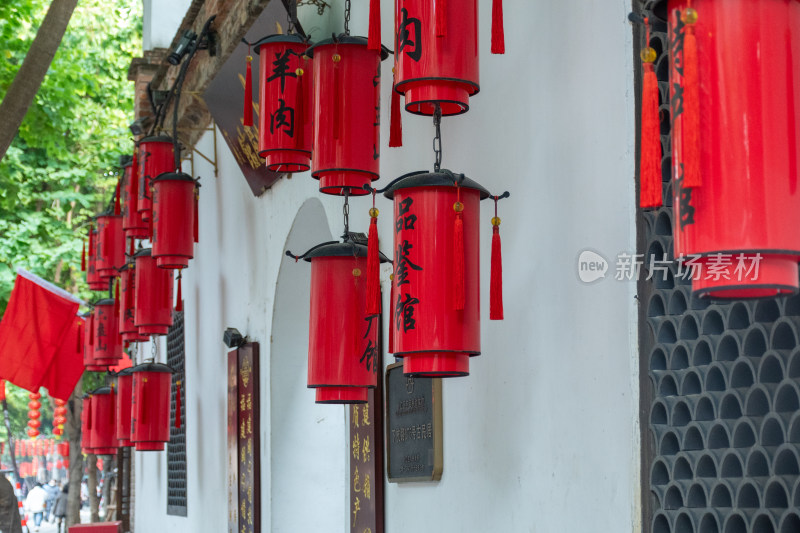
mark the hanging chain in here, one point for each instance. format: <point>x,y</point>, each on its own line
<point>347,17</point>
<point>437,140</point>
<point>154,348</point>
<point>290,21</point>
<point>346,214</point>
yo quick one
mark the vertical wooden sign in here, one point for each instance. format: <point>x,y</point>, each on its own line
<point>366,458</point>
<point>233,446</point>
<point>244,467</point>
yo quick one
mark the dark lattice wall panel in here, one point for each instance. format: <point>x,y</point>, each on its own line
<point>725,378</point>
<point>176,447</point>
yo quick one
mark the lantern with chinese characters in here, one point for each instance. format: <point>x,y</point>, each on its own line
<point>346,114</point>
<point>436,58</point>
<point>436,285</point>
<point>134,226</point>
<point>156,156</point>
<point>152,385</point>
<point>106,340</point>
<point>127,305</point>
<point>343,339</point>
<point>286,99</point>
<point>174,205</point>
<point>153,295</point>
<point>93,278</point>
<point>110,245</point>
<point>735,108</point>
<point>124,394</point>
<point>102,425</point>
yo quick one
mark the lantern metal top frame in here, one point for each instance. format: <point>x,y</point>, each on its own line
<point>424,178</point>
<point>346,40</point>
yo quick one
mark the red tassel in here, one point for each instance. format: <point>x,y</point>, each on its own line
<point>390,348</point>
<point>496,284</point>
<point>179,298</point>
<point>196,214</point>
<point>650,163</point>
<point>116,297</point>
<point>79,342</point>
<point>83,257</point>
<point>178,404</point>
<point>395,121</point>
<point>117,209</point>
<point>690,121</point>
<point>248,91</point>
<point>458,262</point>
<point>373,266</point>
<point>498,33</point>
<point>300,110</point>
<point>374,39</point>
<point>337,87</point>
<point>441,18</point>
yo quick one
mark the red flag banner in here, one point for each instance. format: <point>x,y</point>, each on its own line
<point>34,325</point>
<point>67,366</point>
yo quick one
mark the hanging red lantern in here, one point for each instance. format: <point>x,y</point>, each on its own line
<point>346,147</point>
<point>127,304</point>
<point>436,57</point>
<point>343,340</point>
<point>93,278</point>
<point>286,101</point>
<point>59,420</point>
<point>153,292</point>
<point>60,411</point>
<point>63,449</point>
<point>58,431</point>
<point>88,340</point>
<point>156,156</point>
<point>102,425</point>
<point>152,386</point>
<point>34,424</point>
<point>110,246</point>
<point>734,149</point>
<point>106,340</point>
<point>33,433</point>
<point>34,405</point>
<point>34,414</point>
<point>436,283</point>
<point>124,395</point>
<point>134,226</point>
<point>174,204</point>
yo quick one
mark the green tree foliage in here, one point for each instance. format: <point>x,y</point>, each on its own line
<point>63,165</point>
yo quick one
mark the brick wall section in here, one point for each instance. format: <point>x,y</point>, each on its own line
<point>234,18</point>
<point>141,72</point>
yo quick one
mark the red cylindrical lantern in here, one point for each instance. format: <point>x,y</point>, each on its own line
<point>63,449</point>
<point>127,304</point>
<point>134,226</point>
<point>436,55</point>
<point>124,395</point>
<point>152,386</point>
<point>107,342</point>
<point>343,340</point>
<point>110,245</point>
<point>347,104</point>
<point>102,433</point>
<point>286,102</point>
<point>153,291</point>
<point>88,340</point>
<point>735,160</point>
<point>156,156</point>
<point>174,207</point>
<point>436,312</point>
<point>93,278</point>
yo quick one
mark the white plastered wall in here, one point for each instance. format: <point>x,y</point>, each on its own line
<point>543,435</point>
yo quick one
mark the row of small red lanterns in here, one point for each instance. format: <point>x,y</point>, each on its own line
<point>160,205</point>
<point>320,110</point>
